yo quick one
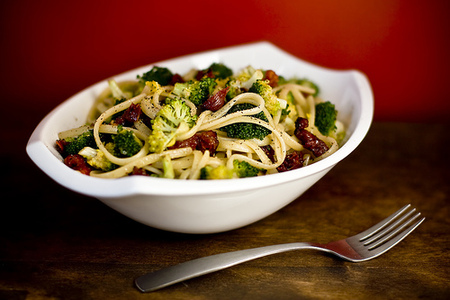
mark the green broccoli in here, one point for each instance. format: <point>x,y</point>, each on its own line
<point>282,80</point>
<point>75,144</point>
<point>195,91</point>
<point>219,70</point>
<point>154,87</point>
<point>262,88</point>
<point>97,159</point>
<point>234,88</point>
<point>176,111</point>
<point>159,74</point>
<point>168,171</point>
<point>325,119</point>
<point>246,131</point>
<point>240,169</point>
<point>244,169</point>
<point>247,76</point>
<point>172,119</point>
<point>126,142</point>
<point>219,172</point>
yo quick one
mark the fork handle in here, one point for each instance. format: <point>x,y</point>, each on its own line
<point>205,265</point>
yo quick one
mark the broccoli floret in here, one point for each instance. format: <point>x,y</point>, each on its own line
<point>168,171</point>
<point>154,87</point>
<point>244,169</point>
<point>282,80</point>
<point>262,88</point>
<point>219,70</point>
<point>219,172</point>
<point>162,136</point>
<point>248,76</point>
<point>111,148</point>
<point>74,145</point>
<point>97,159</point>
<point>325,119</point>
<point>126,142</point>
<point>246,131</point>
<point>234,88</point>
<point>172,119</point>
<point>176,111</point>
<point>159,74</point>
<point>240,169</point>
<point>195,91</point>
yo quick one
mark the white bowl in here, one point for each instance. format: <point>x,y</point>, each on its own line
<point>216,205</point>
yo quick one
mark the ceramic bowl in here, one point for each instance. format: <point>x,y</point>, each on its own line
<point>213,206</point>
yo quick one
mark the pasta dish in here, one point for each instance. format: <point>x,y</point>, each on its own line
<point>206,124</point>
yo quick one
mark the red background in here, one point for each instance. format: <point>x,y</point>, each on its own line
<point>52,49</point>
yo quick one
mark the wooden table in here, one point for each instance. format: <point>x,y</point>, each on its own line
<point>56,244</point>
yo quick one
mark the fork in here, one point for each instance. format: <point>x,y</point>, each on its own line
<point>361,247</point>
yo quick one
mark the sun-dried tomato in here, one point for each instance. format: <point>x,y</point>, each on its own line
<point>216,101</point>
<point>131,115</point>
<point>203,73</point>
<point>78,163</point>
<point>206,140</point>
<point>308,139</point>
<point>272,77</point>
<point>292,161</point>
<point>176,78</point>
<point>138,171</point>
<point>268,150</point>
<point>61,146</point>
<point>191,142</point>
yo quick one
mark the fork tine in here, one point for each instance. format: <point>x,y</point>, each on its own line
<point>390,232</point>
<point>381,225</point>
<point>386,230</point>
<point>382,248</point>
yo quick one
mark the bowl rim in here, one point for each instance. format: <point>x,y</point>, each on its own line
<point>140,185</point>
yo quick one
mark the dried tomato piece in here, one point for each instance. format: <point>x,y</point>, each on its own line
<point>301,123</point>
<point>272,77</point>
<point>292,161</point>
<point>268,150</point>
<point>216,101</point>
<point>308,139</point>
<point>202,141</point>
<point>138,171</point>
<point>131,115</point>
<point>207,141</point>
<point>203,73</point>
<point>78,163</point>
<point>176,78</point>
<point>191,142</point>
<point>61,146</point>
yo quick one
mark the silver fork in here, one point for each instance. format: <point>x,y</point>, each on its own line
<point>361,247</point>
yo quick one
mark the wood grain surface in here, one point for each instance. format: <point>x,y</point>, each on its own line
<point>56,244</point>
